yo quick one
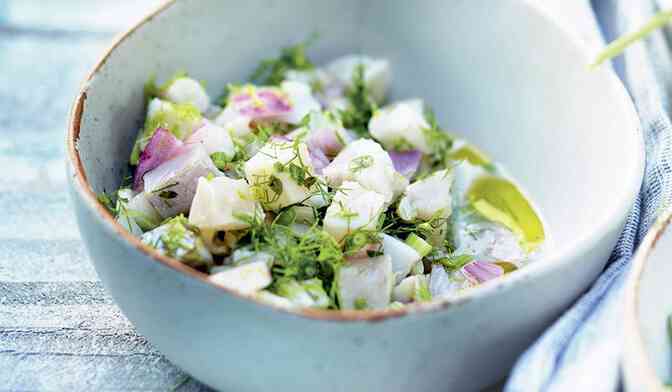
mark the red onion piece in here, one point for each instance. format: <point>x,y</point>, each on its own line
<point>262,103</point>
<point>482,271</point>
<point>161,147</point>
<point>406,162</point>
<point>326,140</point>
<point>319,159</point>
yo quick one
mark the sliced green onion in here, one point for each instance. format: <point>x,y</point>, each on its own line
<point>455,262</point>
<point>616,47</point>
<point>421,246</point>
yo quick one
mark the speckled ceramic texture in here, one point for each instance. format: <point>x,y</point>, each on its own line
<point>503,74</point>
<point>647,361</point>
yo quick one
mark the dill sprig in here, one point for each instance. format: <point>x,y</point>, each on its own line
<point>272,71</point>
<point>361,105</point>
<point>440,142</point>
<point>300,256</point>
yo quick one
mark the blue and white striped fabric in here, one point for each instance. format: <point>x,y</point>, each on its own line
<point>582,350</point>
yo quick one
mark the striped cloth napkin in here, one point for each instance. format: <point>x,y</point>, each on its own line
<point>582,350</point>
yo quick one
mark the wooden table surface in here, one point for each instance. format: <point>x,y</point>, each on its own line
<point>59,330</point>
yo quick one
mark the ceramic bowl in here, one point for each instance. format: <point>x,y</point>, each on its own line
<point>503,74</point>
<point>647,359</point>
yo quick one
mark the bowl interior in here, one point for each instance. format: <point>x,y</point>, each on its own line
<point>520,90</point>
<point>654,305</point>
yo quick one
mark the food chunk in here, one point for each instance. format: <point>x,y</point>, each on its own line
<point>280,174</point>
<point>353,208</point>
<point>221,202</point>
<point>214,139</point>
<point>177,238</point>
<point>246,278</point>
<point>171,187</point>
<point>401,126</point>
<point>427,198</point>
<point>365,283</point>
<point>187,90</point>
<point>365,162</point>
<point>403,257</point>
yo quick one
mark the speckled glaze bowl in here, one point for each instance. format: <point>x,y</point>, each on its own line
<point>647,359</point>
<point>504,74</point>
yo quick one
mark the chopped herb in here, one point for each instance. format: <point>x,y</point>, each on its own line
<point>439,141</point>
<point>168,194</point>
<point>361,303</point>
<point>272,71</point>
<point>422,293</point>
<point>266,189</point>
<point>454,263</point>
<point>361,105</point>
<point>402,144</point>
<point>106,201</point>
<point>360,163</point>
<point>356,240</point>
<point>221,160</point>
<point>165,187</point>
<point>179,239</point>
<point>311,254</point>
<point>421,246</point>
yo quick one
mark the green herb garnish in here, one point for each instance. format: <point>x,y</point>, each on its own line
<point>271,72</point>
<point>422,293</point>
<point>361,303</point>
<point>361,104</point>
<point>439,141</point>
<point>360,163</point>
<point>454,263</point>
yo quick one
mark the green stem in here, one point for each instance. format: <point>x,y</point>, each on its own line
<point>616,47</point>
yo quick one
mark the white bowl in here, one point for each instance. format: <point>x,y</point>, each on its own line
<point>647,359</point>
<point>503,74</point>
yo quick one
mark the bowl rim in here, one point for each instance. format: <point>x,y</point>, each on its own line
<point>638,368</point>
<point>485,290</point>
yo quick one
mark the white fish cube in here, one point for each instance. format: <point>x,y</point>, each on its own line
<point>214,139</point>
<point>276,189</point>
<point>269,298</point>
<point>246,278</point>
<point>365,162</point>
<point>403,257</point>
<point>365,283</point>
<point>234,122</point>
<point>219,203</point>
<point>406,290</point>
<point>427,198</point>
<point>300,99</point>
<point>171,186</point>
<point>188,90</point>
<point>401,124</point>
<point>352,208</point>
<point>144,212</point>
